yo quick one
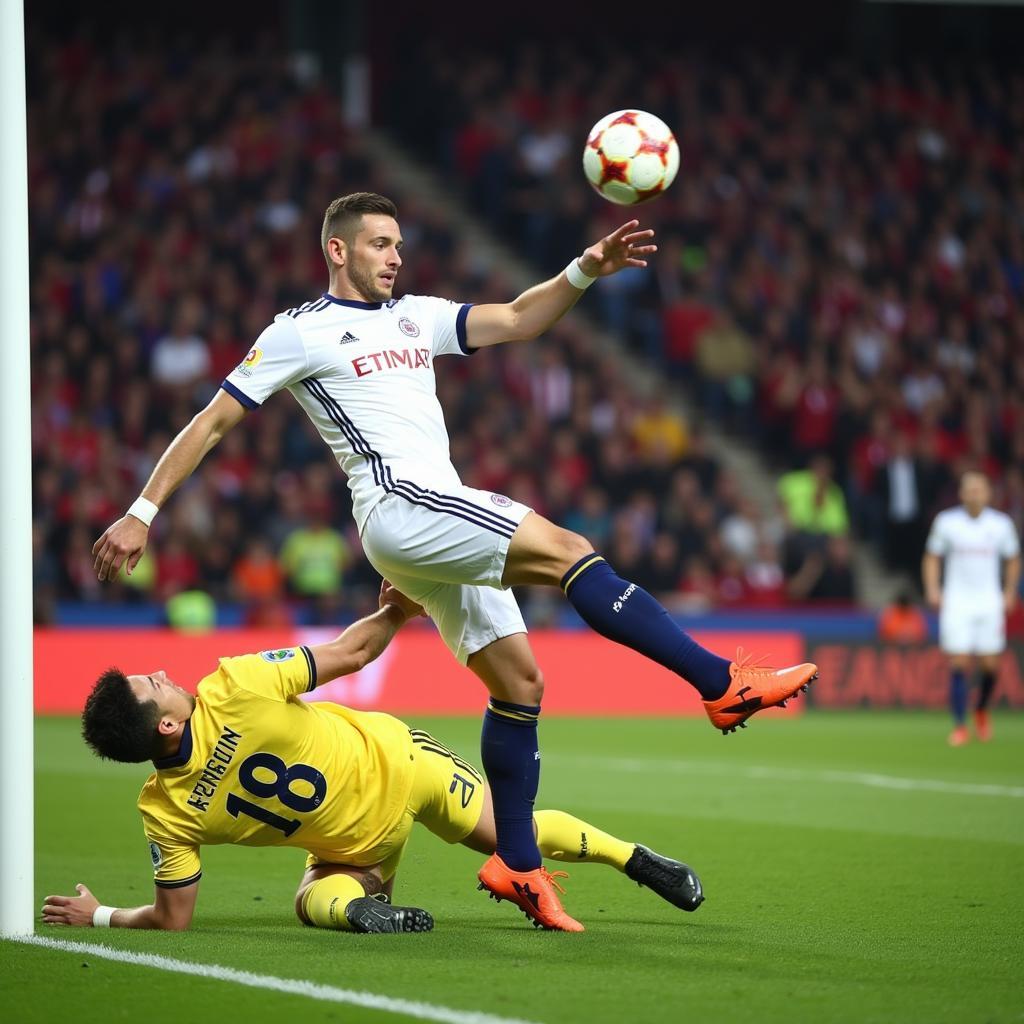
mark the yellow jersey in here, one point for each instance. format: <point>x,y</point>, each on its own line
<point>258,766</point>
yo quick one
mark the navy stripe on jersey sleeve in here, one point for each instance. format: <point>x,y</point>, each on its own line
<point>239,395</point>
<point>460,328</point>
<point>312,667</point>
<point>180,883</point>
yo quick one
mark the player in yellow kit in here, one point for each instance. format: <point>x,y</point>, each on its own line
<point>247,762</point>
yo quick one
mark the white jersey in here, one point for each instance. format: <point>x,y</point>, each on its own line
<point>972,548</point>
<point>364,374</point>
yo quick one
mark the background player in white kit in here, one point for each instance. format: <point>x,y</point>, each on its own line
<point>361,364</point>
<point>975,596</point>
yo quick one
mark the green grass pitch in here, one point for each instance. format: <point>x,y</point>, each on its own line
<point>836,891</point>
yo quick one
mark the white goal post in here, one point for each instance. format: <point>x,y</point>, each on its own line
<point>17,896</point>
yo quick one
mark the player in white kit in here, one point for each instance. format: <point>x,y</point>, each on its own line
<point>361,364</point>
<point>976,594</point>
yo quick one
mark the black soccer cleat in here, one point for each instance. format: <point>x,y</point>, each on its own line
<point>670,879</point>
<point>373,914</point>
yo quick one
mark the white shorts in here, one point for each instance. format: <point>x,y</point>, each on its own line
<point>966,630</point>
<point>447,552</point>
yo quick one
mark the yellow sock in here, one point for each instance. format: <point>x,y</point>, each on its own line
<point>560,836</point>
<point>324,901</point>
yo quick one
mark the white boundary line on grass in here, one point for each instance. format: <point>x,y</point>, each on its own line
<point>872,779</point>
<point>289,986</point>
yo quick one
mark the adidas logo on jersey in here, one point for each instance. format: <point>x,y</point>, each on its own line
<point>347,338</point>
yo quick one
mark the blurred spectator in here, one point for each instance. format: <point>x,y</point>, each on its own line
<point>181,358</point>
<point>902,622</point>
<point>765,581</point>
<point>825,575</point>
<point>191,611</point>
<point>256,576</point>
<point>725,357</point>
<point>739,531</point>
<point>660,575</point>
<point>45,578</point>
<point>658,430</point>
<point>697,591</point>
<point>258,583</point>
<point>176,567</point>
<point>590,517</point>
<point>903,499</point>
<point>812,501</point>
<point>313,558</point>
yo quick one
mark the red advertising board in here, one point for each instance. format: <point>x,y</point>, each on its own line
<point>584,674</point>
<point>876,675</point>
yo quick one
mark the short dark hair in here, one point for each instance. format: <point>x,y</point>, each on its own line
<point>346,211</point>
<point>116,724</point>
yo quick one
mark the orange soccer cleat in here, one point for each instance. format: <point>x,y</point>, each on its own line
<point>982,725</point>
<point>959,736</point>
<point>532,891</point>
<point>755,687</point>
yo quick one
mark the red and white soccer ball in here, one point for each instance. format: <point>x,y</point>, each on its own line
<point>630,157</point>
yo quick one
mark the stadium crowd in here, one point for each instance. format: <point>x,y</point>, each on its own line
<point>840,278</point>
<point>842,255</point>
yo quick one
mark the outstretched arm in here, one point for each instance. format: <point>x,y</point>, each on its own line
<point>171,910</point>
<point>539,307</point>
<point>364,640</point>
<point>124,542</point>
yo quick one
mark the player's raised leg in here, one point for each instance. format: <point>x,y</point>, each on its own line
<point>511,758</point>
<point>542,553</point>
<point>354,899</point>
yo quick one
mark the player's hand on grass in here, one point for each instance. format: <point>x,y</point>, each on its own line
<point>624,247</point>
<point>390,594</point>
<point>72,910</point>
<point>123,543</point>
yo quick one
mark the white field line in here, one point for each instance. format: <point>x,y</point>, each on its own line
<point>872,779</point>
<point>290,986</point>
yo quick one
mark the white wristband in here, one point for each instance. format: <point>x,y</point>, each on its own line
<point>101,916</point>
<point>576,276</point>
<point>144,510</point>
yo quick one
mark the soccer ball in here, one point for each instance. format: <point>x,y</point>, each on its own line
<point>630,157</point>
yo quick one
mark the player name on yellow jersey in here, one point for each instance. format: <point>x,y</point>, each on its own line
<point>215,768</point>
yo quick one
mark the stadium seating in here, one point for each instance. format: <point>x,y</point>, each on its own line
<point>842,264</point>
<point>813,302</point>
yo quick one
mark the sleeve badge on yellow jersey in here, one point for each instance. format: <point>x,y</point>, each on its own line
<point>156,856</point>
<point>285,654</point>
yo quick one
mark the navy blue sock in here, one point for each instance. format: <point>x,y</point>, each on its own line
<point>986,686</point>
<point>958,696</point>
<point>508,746</point>
<point>627,614</point>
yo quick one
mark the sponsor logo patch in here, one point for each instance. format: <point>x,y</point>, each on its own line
<point>623,598</point>
<point>501,500</point>
<point>408,328</point>
<point>285,654</point>
<point>250,362</point>
<point>155,855</point>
